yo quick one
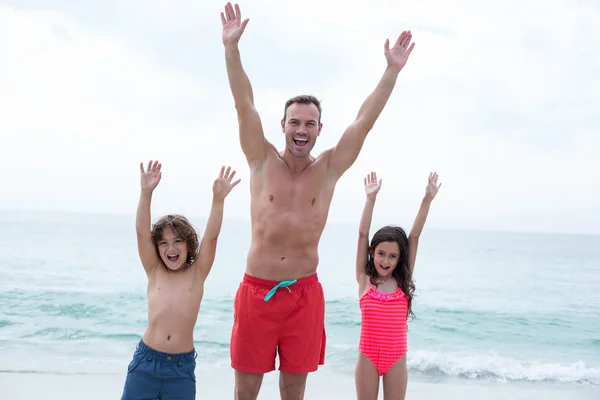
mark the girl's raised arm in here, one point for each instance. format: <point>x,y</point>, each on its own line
<point>372,187</point>
<point>417,228</point>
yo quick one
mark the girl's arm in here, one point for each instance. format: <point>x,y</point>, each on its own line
<point>372,187</point>
<point>417,228</point>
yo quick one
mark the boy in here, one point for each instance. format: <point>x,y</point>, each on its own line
<point>176,266</point>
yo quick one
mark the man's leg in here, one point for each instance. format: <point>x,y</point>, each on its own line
<point>292,386</point>
<point>247,385</point>
<point>302,339</point>
<point>254,337</point>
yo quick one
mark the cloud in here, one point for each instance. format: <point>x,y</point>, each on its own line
<point>501,100</point>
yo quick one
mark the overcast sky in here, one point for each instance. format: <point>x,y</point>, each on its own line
<point>501,99</point>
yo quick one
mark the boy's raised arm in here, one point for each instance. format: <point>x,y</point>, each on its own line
<point>208,246</point>
<point>148,181</point>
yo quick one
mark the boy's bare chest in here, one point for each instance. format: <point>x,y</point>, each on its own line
<point>175,287</point>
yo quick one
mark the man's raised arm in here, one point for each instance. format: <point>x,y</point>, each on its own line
<point>346,151</point>
<point>252,137</point>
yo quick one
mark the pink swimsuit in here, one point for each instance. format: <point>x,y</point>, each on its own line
<point>383,330</point>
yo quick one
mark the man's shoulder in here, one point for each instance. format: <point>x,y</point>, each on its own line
<point>271,160</point>
<point>321,161</point>
<point>324,160</point>
<point>325,154</point>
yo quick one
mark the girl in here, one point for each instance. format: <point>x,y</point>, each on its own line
<point>384,275</point>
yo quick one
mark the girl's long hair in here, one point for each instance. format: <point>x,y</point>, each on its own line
<point>402,272</point>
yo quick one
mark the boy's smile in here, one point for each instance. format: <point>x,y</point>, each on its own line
<point>173,250</point>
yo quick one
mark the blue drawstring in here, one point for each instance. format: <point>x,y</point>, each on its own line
<point>284,284</point>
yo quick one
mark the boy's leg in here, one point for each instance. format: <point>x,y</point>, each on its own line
<point>179,380</point>
<point>141,382</point>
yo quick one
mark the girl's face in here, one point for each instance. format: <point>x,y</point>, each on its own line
<point>385,257</point>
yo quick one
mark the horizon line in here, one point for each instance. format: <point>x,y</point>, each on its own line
<point>334,221</point>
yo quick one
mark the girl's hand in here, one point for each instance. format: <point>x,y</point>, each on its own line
<point>372,186</point>
<point>432,186</point>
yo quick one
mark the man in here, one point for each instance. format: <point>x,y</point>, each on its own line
<point>279,306</point>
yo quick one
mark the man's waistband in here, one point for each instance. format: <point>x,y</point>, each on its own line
<point>269,284</point>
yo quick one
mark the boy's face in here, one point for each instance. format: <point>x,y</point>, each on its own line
<point>173,250</point>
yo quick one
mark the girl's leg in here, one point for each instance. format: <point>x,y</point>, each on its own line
<point>395,380</point>
<point>366,379</point>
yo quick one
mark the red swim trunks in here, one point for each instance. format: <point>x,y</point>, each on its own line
<point>291,322</point>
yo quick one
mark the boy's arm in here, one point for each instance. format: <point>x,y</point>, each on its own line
<point>371,188</point>
<point>251,133</point>
<point>146,248</point>
<point>350,144</point>
<point>419,223</point>
<point>208,246</point>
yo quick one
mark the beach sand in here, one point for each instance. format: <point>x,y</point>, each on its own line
<point>321,385</point>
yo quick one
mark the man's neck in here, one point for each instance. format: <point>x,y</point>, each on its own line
<point>296,164</point>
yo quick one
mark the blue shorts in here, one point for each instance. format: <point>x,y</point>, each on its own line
<point>155,375</point>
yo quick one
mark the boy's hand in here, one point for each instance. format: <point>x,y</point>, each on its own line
<point>432,186</point>
<point>223,184</point>
<point>150,178</point>
<point>371,185</point>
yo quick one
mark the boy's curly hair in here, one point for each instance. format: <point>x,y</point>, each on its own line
<point>182,228</point>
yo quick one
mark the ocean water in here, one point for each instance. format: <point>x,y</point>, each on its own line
<point>509,308</point>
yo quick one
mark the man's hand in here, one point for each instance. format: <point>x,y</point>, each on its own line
<point>223,184</point>
<point>233,26</point>
<point>372,186</point>
<point>149,179</point>
<point>432,186</point>
<point>398,55</point>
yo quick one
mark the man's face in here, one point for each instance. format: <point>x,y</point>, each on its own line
<point>301,128</point>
